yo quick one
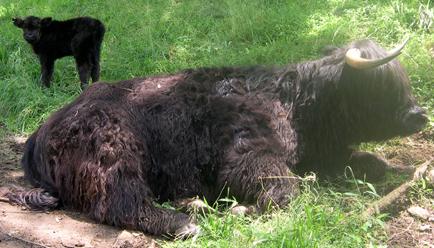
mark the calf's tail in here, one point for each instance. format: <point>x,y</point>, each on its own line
<point>99,32</point>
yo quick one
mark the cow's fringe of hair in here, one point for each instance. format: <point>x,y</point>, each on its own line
<point>33,199</point>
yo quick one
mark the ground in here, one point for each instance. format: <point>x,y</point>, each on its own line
<point>403,229</point>
<point>71,229</point>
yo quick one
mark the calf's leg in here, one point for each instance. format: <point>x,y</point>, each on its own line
<point>47,68</point>
<point>94,73</point>
<point>83,68</point>
<point>82,50</point>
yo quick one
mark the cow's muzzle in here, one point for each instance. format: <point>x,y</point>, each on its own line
<point>415,119</point>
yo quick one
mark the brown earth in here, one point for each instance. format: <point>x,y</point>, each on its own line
<point>403,229</point>
<point>22,228</point>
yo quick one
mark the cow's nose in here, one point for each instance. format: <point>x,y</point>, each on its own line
<point>416,117</point>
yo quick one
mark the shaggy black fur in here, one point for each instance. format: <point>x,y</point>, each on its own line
<point>119,147</point>
<point>80,37</point>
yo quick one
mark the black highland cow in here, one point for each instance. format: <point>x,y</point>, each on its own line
<point>118,148</point>
<point>79,37</point>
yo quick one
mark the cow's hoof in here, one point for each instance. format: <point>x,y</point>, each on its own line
<point>368,165</point>
<point>187,231</point>
<point>241,210</point>
<point>199,206</point>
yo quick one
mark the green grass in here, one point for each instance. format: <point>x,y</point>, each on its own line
<point>319,217</point>
<point>162,36</point>
<point>153,36</point>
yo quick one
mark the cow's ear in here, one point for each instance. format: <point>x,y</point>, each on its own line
<point>328,50</point>
<point>46,21</point>
<point>18,22</point>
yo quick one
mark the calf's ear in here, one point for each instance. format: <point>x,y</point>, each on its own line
<point>46,21</point>
<point>18,22</point>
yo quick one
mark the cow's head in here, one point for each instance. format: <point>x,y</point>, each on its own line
<point>377,90</point>
<point>31,27</point>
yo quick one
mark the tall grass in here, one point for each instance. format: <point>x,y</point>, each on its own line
<point>162,36</point>
<point>154,36</point>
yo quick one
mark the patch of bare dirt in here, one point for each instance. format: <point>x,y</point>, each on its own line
<point>11,149</point>
<point>405,230</point>
<point>412,151</point>
<point>22,228</point>
<point>409,231</point>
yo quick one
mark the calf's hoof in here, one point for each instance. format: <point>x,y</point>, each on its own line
<point>84,86</point>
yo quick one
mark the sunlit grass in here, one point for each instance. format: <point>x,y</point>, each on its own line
<point>152,37</point>
<point>319,217</point>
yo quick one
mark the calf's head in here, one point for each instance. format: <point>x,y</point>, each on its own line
<point>31,27</point>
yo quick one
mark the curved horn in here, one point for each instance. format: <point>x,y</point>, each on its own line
<point>353,57</point>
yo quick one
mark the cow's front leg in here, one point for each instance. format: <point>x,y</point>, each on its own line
<point>368,165</point>
<point>261,178</point>
<point>47,68</point>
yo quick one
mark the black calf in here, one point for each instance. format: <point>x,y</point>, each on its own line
<point>79,37</point>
